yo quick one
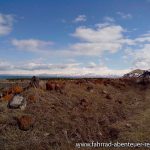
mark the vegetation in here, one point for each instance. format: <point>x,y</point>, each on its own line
<point>114,110</point>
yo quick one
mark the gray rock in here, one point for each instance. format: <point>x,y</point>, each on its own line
<point>18,101</point>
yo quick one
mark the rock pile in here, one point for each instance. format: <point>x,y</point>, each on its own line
<point>34,82</point>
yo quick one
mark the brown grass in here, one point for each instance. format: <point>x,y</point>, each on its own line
<point>116,110</point>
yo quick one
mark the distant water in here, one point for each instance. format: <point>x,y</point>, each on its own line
<point>26,77</point>
<point>51,76</point>
<point>13,77</point>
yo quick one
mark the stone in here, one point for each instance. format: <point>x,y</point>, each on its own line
<point>8,97</point>
<point>25,122</point>
<point>34,82</point>
<point>54,86</point>
<point>18,101</point>
<point>17,89</point>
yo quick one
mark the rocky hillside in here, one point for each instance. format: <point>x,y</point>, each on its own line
<point>134,73</point>
<point>57,114</point>
<point>138,74</point>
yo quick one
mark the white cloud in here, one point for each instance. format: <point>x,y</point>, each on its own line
<point>100,34</point>
<point>141,57</point>
<point>4,65</point>
<point>109,37</point>
<point>80,18</point>
<point>124,16</point>
<point>140,52</point>
<point>44,66</point>
<point>109,19</point>
<point>31,44</point>
<point>93,41</point>
<point>6,23</point>
<point>70,69</point>
<point>143,38</point>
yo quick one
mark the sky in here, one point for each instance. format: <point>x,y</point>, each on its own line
<point>74,37</point>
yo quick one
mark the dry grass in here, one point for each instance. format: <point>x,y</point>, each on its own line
<point>115,110</point>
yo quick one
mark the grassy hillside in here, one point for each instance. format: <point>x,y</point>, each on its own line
<point>101,110</point>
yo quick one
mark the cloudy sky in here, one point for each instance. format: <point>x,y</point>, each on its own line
<point>74,37</point>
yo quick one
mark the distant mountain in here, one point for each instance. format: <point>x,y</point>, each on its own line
<point>134,73</point>
<point>138,73</point>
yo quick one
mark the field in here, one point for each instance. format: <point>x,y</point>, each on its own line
<point>80,111</point>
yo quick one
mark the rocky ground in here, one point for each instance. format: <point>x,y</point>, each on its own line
<point>57,114</point>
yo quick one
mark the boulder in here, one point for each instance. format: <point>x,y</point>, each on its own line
<point>18,101</point>
<point>54,86</point>
<point>50,86</point>
<point>17,89</point>
<point>25,122</point>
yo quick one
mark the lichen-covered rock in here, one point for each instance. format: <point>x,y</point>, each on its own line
<point>18,101</point>
<point>25,122</point>
<point>17,89</point>
<point>54,86</point>
<point>50,86</point>
<point>8,97</point>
